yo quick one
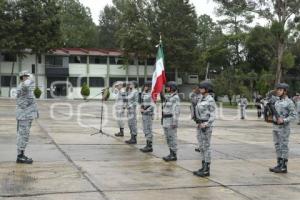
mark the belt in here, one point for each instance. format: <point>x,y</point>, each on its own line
<point>167,115</point>
<point>201,121</point>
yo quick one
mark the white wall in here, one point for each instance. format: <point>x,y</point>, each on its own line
<point>78,69</point>
<point>98,70</point>
<point>117,70</point>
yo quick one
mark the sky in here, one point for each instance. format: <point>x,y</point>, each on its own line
<point>201,6</point>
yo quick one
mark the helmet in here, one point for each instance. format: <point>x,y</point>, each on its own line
<point>119,83</point>
<point>134,83</point>
<point>206,85</point>
<point>148,83</point>
<point>24,73</point>
<point>172,85</point>
<point>282,86</point>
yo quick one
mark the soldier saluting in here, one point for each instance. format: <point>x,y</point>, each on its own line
<point>119,107</point>
<point>147,109</point>
<point>205,117</point>
<point>170,115</point>
<point>26,112</point>
<point>283,113</point>
<point>195,97</point>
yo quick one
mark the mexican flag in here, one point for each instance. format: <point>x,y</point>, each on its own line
<point>159,77</point>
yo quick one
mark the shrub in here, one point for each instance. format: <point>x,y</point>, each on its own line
<point>37,92</point>
<point>85,91</point>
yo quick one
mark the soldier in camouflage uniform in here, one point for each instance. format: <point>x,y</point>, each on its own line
<point>297,102</point>
<point>147,109</point>
<point>120,106</point>
<point>132,102</point>
<point>171,111</point>
<point>205,117</point>
<point>283,115</point>
<point>243,103</point>
<point>195,97</point>
<point>26,112</point>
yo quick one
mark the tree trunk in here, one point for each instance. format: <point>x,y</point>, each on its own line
<point>36,70</point>
<point>280,51</point>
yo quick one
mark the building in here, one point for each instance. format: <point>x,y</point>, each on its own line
<point>61,72</point>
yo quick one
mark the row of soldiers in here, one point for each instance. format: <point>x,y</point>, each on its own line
<point>203,113</point>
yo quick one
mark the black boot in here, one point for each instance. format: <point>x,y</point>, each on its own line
<point>171,157</point>
<point>23,159</point>
<point>283,167</point>
<point>205,172</point>
<point>148,147</point>
<point>197,149</point>
<point>201,169</point>
<point>132,140</point>
<point>277,166</point>
<point>121,133</point>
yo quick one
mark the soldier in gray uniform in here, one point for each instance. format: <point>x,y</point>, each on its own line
<point>120,106</point>
<point>297,102</point>
<point>132,102</point>
<point>170,115</point>
<point>205,117</point>
<point>195,97</point>
<point>283,115</point>
<point>26,112</point>
<point>243,103</point>
<point>147,109</point>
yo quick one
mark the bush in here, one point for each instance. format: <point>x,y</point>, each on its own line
<point>37,92</point>
<point>85,91</point>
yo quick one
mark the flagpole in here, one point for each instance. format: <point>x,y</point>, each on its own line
<point>162,97</point>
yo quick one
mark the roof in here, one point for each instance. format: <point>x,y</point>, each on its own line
<point>86,51</point>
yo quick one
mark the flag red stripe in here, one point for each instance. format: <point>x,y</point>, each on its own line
<point>160,81</point>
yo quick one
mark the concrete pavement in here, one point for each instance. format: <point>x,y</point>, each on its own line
<point>69,163</point>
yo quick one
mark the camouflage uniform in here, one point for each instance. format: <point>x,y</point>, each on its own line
<point>119,108</point>
<point>297,102</point>
<point>171,112</point>
<point>132,102</point>
<point>195,98</point>
<point>147,115</point>
<point>243,102</point>
<point>26,111</point>
<point>285,108</point>
<point>205,114</point>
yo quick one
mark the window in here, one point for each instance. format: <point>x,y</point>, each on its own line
<point>8,57</point>
<point>98,60</point>
<point>112,80</point>
<point>74,81</point>
<point>54,61</point>
<point>96,82</point>
<point>116,61</point>
<point>39,58</point>
<point>33,68</point>
<point>5,81</point>
<point>78,59</point>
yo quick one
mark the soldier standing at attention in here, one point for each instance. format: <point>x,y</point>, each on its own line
<point>132,102</point>
<point>119,106</point>
<point>26,112</point>
<point>147,109</point>
<point>196,96</point>
<point>283,114</point>
<point>170,115</point>
<point>297,102</point>
<point>205,117</point>
<point>243,102</point>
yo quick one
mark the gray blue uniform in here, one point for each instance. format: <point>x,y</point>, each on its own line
<point>132,102</point>
<point>147,115</point>
<point>26,111</point>
<point>171,112</point>
<point>120,108</point>
<point>285,108</point>
<point>243,102</point>
<point>297,102</point>
<point>195,98</point>
<point>205,114</point>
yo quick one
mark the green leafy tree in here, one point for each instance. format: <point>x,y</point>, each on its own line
<point>77,26</point>
<point>108,26</point>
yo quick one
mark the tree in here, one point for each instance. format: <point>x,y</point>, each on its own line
<point>77,26</point>
<point>41,26</point>
<point>177,21</point>
<point>108,26</point>
<point>284,16</point>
